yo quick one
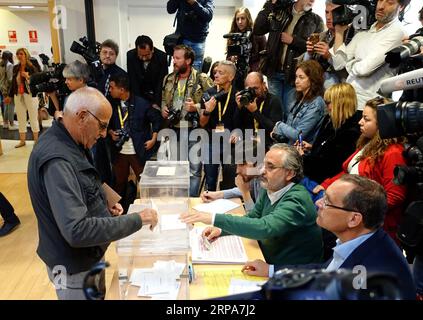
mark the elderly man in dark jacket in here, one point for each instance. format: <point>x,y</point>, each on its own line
<point>75,221</point>
<point>289,25</point>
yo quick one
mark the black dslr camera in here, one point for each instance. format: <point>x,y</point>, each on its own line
<point>123,137</point>
<point>247,96</point>
<point>207,96</point>
<point>174,116</point>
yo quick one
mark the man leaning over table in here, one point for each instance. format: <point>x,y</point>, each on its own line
<point>283,219</point>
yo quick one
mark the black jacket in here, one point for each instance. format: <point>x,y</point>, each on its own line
<point>193,20</point>
<point>309,23</point>
<point>142,121</point>
<point>14,86</point>
<point>331,148</point>
<point>267,119</point>
<point>74,225</point>
<point>147,83</point>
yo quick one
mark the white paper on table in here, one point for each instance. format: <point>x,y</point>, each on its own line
<point>225,250</point>
<point>136,208</point>
<point>166,171</point>
<point>172,295</point>
<point>242,286</point>
<point>171,222</point>
<point>217,206</point>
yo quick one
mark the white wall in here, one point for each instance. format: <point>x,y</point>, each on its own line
<point>22,22</point>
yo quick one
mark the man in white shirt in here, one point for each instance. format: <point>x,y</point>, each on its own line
<point>364,56</point>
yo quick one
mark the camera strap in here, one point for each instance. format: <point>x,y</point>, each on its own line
<point>256,123</point>
<point>122,119</point>
<point>226,105</point>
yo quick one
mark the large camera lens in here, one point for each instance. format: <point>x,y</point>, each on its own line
<point>247,96</point>
<point>400,118</point>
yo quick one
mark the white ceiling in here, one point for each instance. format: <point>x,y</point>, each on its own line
<point>38,4</point>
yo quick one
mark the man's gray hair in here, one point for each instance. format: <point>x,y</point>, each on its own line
<point>230,65</point>
<point>292,160</point>
<point>85,98</point>
<point>78,70</point>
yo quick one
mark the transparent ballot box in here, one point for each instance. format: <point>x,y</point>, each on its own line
<point>145,276</point>
<point>165,179</point>
<point>153,264</point>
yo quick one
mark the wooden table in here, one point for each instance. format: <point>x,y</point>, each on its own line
<point>197,287</point>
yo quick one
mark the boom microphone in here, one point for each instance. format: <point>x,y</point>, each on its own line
<point>406,81</point>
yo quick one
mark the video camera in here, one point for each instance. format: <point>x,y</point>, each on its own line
<point>91,53</point>
<point>317,284</point>
<point>345,14</point>
<point>405,117</point>
<point>240,47</point>
<point>49,81</point>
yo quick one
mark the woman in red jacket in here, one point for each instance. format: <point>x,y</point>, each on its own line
<point>376,158</point>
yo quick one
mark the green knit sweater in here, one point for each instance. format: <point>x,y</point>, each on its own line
<point>287,230</point>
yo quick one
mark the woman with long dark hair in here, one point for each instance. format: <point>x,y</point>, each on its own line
<point>376,159</point>
<point>307,112</point>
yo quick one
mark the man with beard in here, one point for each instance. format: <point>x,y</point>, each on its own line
<point>364,56</point>
<point>181,96</point>
<point>147,67</point>
<point>289,25</point>
<point>283,219</point>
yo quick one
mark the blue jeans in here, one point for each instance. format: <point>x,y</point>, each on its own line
<point>418,273</point>
<point>280,88</point>
<point>198,48</point>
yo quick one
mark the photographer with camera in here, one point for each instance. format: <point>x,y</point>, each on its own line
<point>353,208</point>
<point>259,109</point>
<point>181,97</point>
<point>147,67</point>
<point>193,18</point>
<point>243,48</point>
<point>221,113</point>
<point>364,56</point>
<point>307,112</point>
<point>319,44</point>
<point>289,25</point>
<point>76,75</point>
<point>133,128</point>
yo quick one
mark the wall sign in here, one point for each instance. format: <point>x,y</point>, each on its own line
<point>12,36</point>
<point>33,36</point>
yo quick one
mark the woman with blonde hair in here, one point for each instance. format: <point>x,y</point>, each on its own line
<point>376,159</point>
<point>24,99</point>
<point>337,136</point>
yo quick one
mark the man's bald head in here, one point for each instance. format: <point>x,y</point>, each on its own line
<point>86,98</point>
<point>86,116</point>
<point>255,80</point>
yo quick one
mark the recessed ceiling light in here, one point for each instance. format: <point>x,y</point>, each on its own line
<point>21,7</point>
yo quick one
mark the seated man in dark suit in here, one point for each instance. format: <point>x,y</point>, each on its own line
<point>147,67</point>
<point>353,209</point>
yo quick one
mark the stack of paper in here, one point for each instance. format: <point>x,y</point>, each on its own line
<point>218,206</point>
<point>160,282</point>
<point>225,250</point>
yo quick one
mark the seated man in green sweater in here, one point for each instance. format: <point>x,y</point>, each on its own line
<point>284,217</point>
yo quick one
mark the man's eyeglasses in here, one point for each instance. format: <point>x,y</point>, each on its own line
<point>325,204</point>
<point>271,167</point>
<point>102,125</point>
